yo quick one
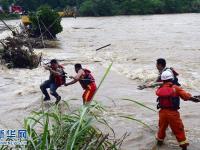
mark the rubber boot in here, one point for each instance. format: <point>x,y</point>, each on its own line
<point>46,98</point>
<point>184,147</point>
<point>159,143</point>
<point>58,99</point>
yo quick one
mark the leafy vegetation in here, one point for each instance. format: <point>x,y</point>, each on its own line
<point>46,22</point>
<point>72,131</point>
<point>136,7</point>
<point>113,7</point>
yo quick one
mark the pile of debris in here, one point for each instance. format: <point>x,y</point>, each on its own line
<point>18,50</point>
<point>18,53</point>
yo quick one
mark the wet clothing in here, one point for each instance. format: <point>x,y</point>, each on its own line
<point>171,117</point>
<point>87,82</point>
<point>175,80</point>
<point>89,92</point>
<point>86,79</point>
<point>57,79</point>
<point>49,84</point>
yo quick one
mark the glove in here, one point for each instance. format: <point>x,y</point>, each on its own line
<point>71,77</point>
<point>65,84</point>
<point>197,96</point>
<point>141,87</point>
<point>195,99</point>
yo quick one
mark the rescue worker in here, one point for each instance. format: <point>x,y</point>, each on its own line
<point>56,79</point>
<point>169,96</point>
<point>87,82</point>
<point>161,67</point>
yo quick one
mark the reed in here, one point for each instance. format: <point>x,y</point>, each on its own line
<point>68,131</point>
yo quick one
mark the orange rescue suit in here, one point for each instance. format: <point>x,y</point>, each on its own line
<point>171,117</point>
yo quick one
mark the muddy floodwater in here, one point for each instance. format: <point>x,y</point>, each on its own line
<point>136,43</point>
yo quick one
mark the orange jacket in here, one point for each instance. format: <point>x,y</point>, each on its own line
<point>179,91</point>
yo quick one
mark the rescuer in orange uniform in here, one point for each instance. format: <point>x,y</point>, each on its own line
<point>87,82</point>
<point>168,102</point>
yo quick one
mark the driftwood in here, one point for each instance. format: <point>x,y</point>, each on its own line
<point>103,47</point>
<point>18,50</point>
<point>18,53</point>
<point>26,39</point>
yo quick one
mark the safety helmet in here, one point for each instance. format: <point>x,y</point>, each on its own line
<point>167,75</point>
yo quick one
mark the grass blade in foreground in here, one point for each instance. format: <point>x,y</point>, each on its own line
<point>70,131</point>
<point>140,104</point>
<point>137,120</point>
<point>103,78</point>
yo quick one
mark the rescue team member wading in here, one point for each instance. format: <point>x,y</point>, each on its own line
<point>56,79</point>
<point>87,82</point>
<point>169,96</point>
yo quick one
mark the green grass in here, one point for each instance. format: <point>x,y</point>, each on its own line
<point>140,104</point>
<point>68,131</point>
<point>103,78</point>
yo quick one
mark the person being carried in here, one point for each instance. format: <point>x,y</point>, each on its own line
<point>87,82</point>
<point>169,95</point>
<point>56,79</point>
<point>161,67</point>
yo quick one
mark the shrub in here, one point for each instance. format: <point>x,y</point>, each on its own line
<point>46,22</point>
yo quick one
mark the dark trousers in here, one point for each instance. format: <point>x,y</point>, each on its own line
<point>49,84</point>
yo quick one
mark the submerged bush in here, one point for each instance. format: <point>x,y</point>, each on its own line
<point>46,22</point>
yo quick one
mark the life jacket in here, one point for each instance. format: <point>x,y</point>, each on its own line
<point>59,79</point>
<point>167,98</point>
<point>175,80</point>
<point>86,79</point>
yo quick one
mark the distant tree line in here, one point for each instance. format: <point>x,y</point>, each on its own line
<point>113,7</point>
<point>137,7</point>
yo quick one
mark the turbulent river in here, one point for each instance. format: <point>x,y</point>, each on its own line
<point>136,43</point>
